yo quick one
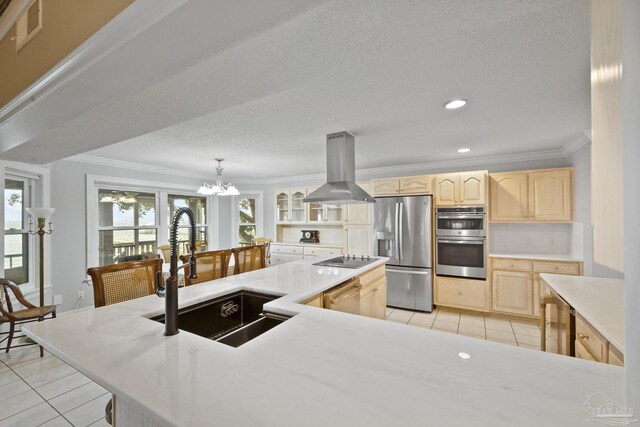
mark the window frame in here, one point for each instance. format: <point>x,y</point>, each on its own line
<point>161,191</point>
<point>235,212</point>
<point>29,195</point>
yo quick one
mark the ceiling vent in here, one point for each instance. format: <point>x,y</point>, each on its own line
<point>28,24</point>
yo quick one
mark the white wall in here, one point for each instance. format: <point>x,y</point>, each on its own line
<point>631,194</point>
<point>581,162</point>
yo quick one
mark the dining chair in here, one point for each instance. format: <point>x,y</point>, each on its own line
<point>199,245</point>
<point>166,252</point>
<point>122,282</point>
<point>248,258</point>
<point>30,313</point>
<point>211,265</point>
<point>266,242</point>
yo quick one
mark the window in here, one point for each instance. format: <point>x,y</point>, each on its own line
<point>17,198</point>
<point>127,225</point>
<point>246,220</point>
<point>198,205</point>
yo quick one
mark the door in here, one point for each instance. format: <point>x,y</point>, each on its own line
<point>385,228</point>
<point>472,188</point>
<point>414,231</point>
<point>508,193</point>
<point>447,190</point>
<point>409,288</point>
<point>550,195</point>
<point>380,301</point>
<point>461,257</point>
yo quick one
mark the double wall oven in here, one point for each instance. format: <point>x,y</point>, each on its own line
<point>461,241</point>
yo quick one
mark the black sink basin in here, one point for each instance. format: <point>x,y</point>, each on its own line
<point>231,319</point>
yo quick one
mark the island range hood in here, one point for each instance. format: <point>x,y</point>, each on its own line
<point>341,185</point>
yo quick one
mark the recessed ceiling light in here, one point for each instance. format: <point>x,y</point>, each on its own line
<point>455,103</point>
<point>463,355</point>
<point>464,150</point>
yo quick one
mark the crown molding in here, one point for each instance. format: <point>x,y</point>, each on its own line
<point>129,23</point>
<point>11,15</point>
<point>417,168</point>
<point>123,164</point>
<point>576,143</point>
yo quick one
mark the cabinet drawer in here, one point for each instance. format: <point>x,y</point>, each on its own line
<point>372,276</point>
<point>583,353</point>
<point>511,264</point>
<point>462,293</point>
<point>322,251</point>
<point>571,268</point>
<point>592,340</point>
<point>284,249</point>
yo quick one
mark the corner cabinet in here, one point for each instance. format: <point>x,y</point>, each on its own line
<point>290,208</point>
<point>532,196</point>
<point>455,189</point>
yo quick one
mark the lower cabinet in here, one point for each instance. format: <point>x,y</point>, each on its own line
<point>512,292</point>
<point>462,293</point>
<point>315,301</point>
<point>591,345</point>
<point>373,294</point>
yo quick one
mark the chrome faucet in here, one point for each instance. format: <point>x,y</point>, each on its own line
<point>170,289</point>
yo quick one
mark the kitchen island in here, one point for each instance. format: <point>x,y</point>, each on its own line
<point>320,367</point>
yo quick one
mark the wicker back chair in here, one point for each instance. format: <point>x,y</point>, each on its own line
<point>266,242</point>
<point>122,282</point>
<point>199,245</point>
<point>248,258</point>
<point>30,313</point>
<point>211,265</point>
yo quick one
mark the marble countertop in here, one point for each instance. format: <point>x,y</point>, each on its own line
<point>320,367</point>
<point>537,256</point>
<point>600,301</point>
<point>312,245</point>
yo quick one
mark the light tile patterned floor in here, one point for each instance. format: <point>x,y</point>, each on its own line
<point>46,391</point>
<point>519,333</point>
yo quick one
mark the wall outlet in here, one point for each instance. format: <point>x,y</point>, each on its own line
<point>80,295</point>
<point>57,299</point>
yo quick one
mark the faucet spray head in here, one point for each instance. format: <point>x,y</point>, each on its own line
<point>192,265</point>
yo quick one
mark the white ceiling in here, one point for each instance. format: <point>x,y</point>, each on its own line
<point>378,69</point>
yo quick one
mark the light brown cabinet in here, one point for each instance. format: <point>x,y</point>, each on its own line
<point>516,284</point>
<point>532,196</point>
<point>462,293</point>
<point>467,188</point>
<point>358,240</point>
<point>591,345</point>
<point>373,294</point>
<point>416,184</point>
<point>512,292</point>
<point>290,208</point>
<point>382,187</point>
<point>359,213</point>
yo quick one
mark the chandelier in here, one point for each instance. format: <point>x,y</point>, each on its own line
<point>219,188</point>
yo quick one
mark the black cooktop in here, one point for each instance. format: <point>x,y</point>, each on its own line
<point>347,261</point>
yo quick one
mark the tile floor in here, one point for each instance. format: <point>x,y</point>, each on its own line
<point>46,391</point>
<point>519,333</point>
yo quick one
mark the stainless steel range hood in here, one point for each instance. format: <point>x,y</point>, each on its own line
<point>341,185</point>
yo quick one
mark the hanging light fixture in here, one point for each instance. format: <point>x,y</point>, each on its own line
<point>219,188</point>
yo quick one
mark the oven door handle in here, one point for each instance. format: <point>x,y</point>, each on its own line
<point>463,242</point>
<point>460,216</point>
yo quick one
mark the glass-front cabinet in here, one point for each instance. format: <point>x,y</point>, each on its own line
<point>290,207</point>
<point>323,214</point>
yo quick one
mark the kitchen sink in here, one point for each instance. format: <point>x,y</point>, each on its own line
<point>231,319</point>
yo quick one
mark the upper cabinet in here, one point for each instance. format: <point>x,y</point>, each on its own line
<point>320,213</point>
<point>467,188</point>
<point>407,185</point>
<point>359,213</point>
<point>290,208</point>
<point>532,196</point>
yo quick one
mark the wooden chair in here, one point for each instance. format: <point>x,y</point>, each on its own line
<point>211,265</point>
<point>266,242</point>
<point>248,258</point>
<point>166,252</point>
<point>199,245</point>
<point>122,282</point>
<point>17,317</point>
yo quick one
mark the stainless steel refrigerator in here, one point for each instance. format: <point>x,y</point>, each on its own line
<point>402,232</point>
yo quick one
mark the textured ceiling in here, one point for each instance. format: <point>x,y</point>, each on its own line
<point>379,69</point>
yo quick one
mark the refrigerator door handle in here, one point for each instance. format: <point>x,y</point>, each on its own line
<point>400,230</point>
<point>419,273</point>
<point>396,239</point>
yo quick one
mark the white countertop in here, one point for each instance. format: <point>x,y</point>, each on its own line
<point>600,301</point>
<point>537,256</point>
<point>320,367</point>
<point>311,245</point>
